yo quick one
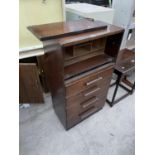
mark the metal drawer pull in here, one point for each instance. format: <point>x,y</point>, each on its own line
<point>89,103</point>
<point>93,81</point>
<point>88,112</point>
<point>93,91</point>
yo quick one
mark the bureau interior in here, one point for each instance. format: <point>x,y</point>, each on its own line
<point>82,57</point>
<point>85,50</point>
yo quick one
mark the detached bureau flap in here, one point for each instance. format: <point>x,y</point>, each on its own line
<point>29,84</point>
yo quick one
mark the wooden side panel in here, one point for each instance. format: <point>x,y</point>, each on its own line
<point>29,85</point>
<point>54,71</point>
<point>113,45</point>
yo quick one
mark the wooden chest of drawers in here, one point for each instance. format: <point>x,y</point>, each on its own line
<point>87,94</point>
<point>78,64</point>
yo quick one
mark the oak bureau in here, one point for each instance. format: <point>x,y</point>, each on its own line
<point>78,65</point>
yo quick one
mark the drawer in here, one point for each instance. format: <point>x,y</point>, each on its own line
<point>96,91</point>
<point>84,105</point>
<point>76,118</point>
<point>84,100</point>
<point>94,78</point>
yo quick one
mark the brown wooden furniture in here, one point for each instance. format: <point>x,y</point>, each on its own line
<point>30,89</point>
<point>78,64</point>
<point>124,67</point>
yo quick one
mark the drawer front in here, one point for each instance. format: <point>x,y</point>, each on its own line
<point>77,117</point>
<point>93,79</point>
<point>94,91</point>
<point>86,99</point>
<point>84,105</point>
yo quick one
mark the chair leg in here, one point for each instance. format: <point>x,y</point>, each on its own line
<point>116,88</point>
<point>133,88</point>
<point>111,103</point>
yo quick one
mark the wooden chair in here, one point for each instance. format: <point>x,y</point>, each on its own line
<point>124,67</point>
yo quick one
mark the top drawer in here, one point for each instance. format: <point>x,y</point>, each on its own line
<point>93,78</point>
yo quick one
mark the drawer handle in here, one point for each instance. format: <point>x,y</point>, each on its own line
<point>85,105</point>
<point>91,92</point>
<point>93,81</point>
<point>88,112</point>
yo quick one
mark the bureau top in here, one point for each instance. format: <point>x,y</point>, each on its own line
<point>63,29</point>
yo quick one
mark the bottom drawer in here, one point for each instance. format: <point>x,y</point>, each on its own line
<point>76,118</point>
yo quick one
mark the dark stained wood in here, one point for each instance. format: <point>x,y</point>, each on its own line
<point>23,96</point>
<point>53,65</point>
<point>83,101</point>
<point>83,66</point>
<point>40,60</point>
<point>95,77</point>
<point>57,30</point>
<point>78,65</point>
<point>126,61</point>
<point>125,55</point>
<point>29,85</point>
<point>75,119</point>
<point>125,67</point>
<point>83,51</point>
<point>99,44</point>
<point>127,82</point>
<point>88,36</point>
<point>113,45</point>
<point>75,59</point>
<point>78,102</point>
<point>80,99</point>
<point>76,114</point>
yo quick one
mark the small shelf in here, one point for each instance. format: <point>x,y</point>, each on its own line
<point>84,51</point>
<point>86,65</point>
<point>83,57</point>
<point>68,53</point>
<point>98,44</point>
